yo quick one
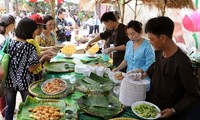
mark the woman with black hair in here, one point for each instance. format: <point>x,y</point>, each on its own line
<point>47,37</point>
<point>23,61</point>
<point>9,24</point>
<point>139,52</point>
<point>2,31</point>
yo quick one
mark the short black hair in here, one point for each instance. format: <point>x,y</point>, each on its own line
<point>61,10</point>
<point>108,16</point>
<point>26,28</point>
<point>46,19</point>
<point>8,19</point>
<point>159,26</point>
<point>2,28</point>
<point>136,25</point>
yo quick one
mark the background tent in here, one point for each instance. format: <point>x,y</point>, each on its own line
<point>87,5</point>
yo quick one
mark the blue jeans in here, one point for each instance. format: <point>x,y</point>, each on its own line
<point>10,96</point>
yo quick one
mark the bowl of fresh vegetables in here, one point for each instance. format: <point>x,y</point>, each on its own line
<point>145,110</point>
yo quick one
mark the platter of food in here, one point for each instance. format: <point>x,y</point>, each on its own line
<point>42,112</point>
<point>54,86</point>
<point>145,110</point>
<point>48,109</point>
<point>91,52</point>
<point>117,77</point>
<point>35,89</point>
<point>68,49</point>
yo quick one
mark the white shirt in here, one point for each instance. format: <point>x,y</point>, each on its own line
<point>2,38</point>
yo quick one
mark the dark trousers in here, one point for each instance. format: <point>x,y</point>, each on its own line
<point>38,76</point>
<point>96,29</point>
<point>11,101</point>
<point>91,28</point>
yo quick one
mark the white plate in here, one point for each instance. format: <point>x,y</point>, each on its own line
<point>50,80</point>
<point>70,57</point>
<point>91,56</point>
<point>148,103</point>
<point>112,76</point>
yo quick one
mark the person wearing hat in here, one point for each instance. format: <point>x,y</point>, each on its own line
<point>47,52</point>
<point>47,37</point>
<point>40,24</point>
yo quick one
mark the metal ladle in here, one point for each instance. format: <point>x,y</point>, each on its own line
<point>101,84</point>
<point>111,106</point>
<point>69,114</point>
<point>66,66</point>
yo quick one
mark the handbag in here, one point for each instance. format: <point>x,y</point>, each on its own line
<point>5,59</point>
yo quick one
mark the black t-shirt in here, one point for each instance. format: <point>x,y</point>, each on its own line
<point>117,37</point>
<point>173,84</point>
<point>60,24</point>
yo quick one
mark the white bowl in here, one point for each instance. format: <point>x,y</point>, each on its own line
<point>68,55</point>
<point>135,104</point>
<point>79,68</point>
<point>91,54</point>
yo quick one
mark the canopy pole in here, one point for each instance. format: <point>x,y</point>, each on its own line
<point>52,4</point>
<point>163,10</point>
<point>123,10</point>
<point>135,10</point>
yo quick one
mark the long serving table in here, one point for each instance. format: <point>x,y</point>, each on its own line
<point>71,98</point>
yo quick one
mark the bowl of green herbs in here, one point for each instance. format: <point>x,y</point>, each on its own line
<point>145,110</point>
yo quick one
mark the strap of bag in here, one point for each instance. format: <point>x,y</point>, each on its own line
<point>6,45</point>
<point>8,42</point>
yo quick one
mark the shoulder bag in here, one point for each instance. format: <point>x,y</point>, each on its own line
<point>5,59</point>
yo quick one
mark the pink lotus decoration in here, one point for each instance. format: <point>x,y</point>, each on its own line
<point>192,22</point>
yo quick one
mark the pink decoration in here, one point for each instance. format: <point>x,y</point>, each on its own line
<point>192,22</point>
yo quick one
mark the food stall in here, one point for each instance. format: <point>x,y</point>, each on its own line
<point>76,86</point>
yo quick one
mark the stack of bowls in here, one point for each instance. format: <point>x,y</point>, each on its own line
<point>132,91</point>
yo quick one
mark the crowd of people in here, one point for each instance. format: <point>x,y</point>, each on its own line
<point>173,86</point>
